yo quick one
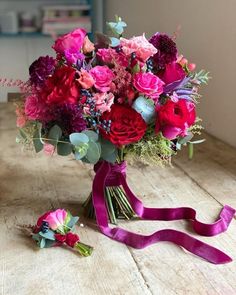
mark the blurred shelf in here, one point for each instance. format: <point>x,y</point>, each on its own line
<point>19,35</point>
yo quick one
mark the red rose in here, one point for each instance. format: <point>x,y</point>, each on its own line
<point>174,118</point>
<point>173,72</point>
<point>61,87</point>
<point>127,126</point>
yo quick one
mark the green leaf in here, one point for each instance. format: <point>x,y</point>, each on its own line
<point>92,135</point>
<point>38,143</point>
<point>80,155</point>
<point>78,138</point>
<point>54,135</point>
<point>48,235</point>
<point>111,158</point>
<point>185,139</point>
<point>64,149</point>
<point>107,149</point>
<point>136,68</point>
<point>36,237</point>
<point>49,243</point>
<point>42,243</point>
<point>114,41</point>
<point>198,141</point>
<point>94,152</point>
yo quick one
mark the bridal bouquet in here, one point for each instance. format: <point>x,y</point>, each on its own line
<point>114,100</point>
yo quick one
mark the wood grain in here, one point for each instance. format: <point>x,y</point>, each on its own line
<point>31,184</point>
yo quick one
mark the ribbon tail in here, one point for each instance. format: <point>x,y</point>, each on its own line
<point>220,225</point>
<point>138,241</point>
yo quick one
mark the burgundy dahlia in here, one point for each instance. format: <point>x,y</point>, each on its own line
<point>167,51</point>
<point>69,117</point>
<point>40,69</point>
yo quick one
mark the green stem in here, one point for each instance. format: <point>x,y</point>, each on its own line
<point>83,249</point>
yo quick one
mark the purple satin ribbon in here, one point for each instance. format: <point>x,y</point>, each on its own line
<point>108,174</point>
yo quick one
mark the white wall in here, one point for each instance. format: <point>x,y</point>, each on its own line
<point>208,38</point>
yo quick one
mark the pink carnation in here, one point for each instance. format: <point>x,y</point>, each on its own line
<point>148,84</point>
<point>85,80</point>
<point>103,77</point>
<point>72,41</point>
<point>104,101</point>
<point>140,46</point>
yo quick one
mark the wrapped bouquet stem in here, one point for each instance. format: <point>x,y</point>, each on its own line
<point>115,100</point>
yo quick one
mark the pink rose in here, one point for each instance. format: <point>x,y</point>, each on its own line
<point>103,77</point>
<point>104,101</point>
<point>148,84</point>
<point>140,46</point>
<point>88,46</point>
<point>85,80</point>
<point>72,41</point>
<point>173,72</point>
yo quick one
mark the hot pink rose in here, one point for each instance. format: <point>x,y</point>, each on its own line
<point>140,46</point>
<point>104,101</point>
<point>103,77</point>
<point>85,80</point>
<point>173,72</point>
<point>148,84</point>
<point>88,46</point>
<point>72,41</point>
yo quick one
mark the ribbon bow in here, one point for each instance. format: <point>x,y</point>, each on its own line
<point>108,174</point>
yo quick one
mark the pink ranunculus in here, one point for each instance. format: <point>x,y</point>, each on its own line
<point>88,46</point>
<point>103,101</point>
<point>103,77</point>
<point>173,72</point>
<point>72,41</point>
<point>140,46</point>
<point>85,80</point>
<point>48,149</point>
<point>175,118</point>
<point>148,84</point>
<point>56,219</point>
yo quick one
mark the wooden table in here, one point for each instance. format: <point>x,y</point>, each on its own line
<point>31,184</point>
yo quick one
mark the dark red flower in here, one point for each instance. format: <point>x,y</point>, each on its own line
<point>174,118</point>
<point>61,87</point>
<point>127,126</point>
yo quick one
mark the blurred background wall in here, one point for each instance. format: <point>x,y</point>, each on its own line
<point>207,38</point>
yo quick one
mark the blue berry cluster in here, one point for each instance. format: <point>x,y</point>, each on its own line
<point>94,121</point>
<point>149,64</point>
<point>44,226</point>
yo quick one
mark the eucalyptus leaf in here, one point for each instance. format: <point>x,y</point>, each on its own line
<point>111,158</point>
<point>54,135</point>
<point>38,146</point>
<point>114,41</point>
<point>78,138</point>
<point>64,149</point>
<point>42,243</point>
<point>36,237</point>
<point>48,235</point>
<point>80,155</point>
<point>93,153</point>
<point>49,243</point>
<point>73,221</point>
<point>91,134</point>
